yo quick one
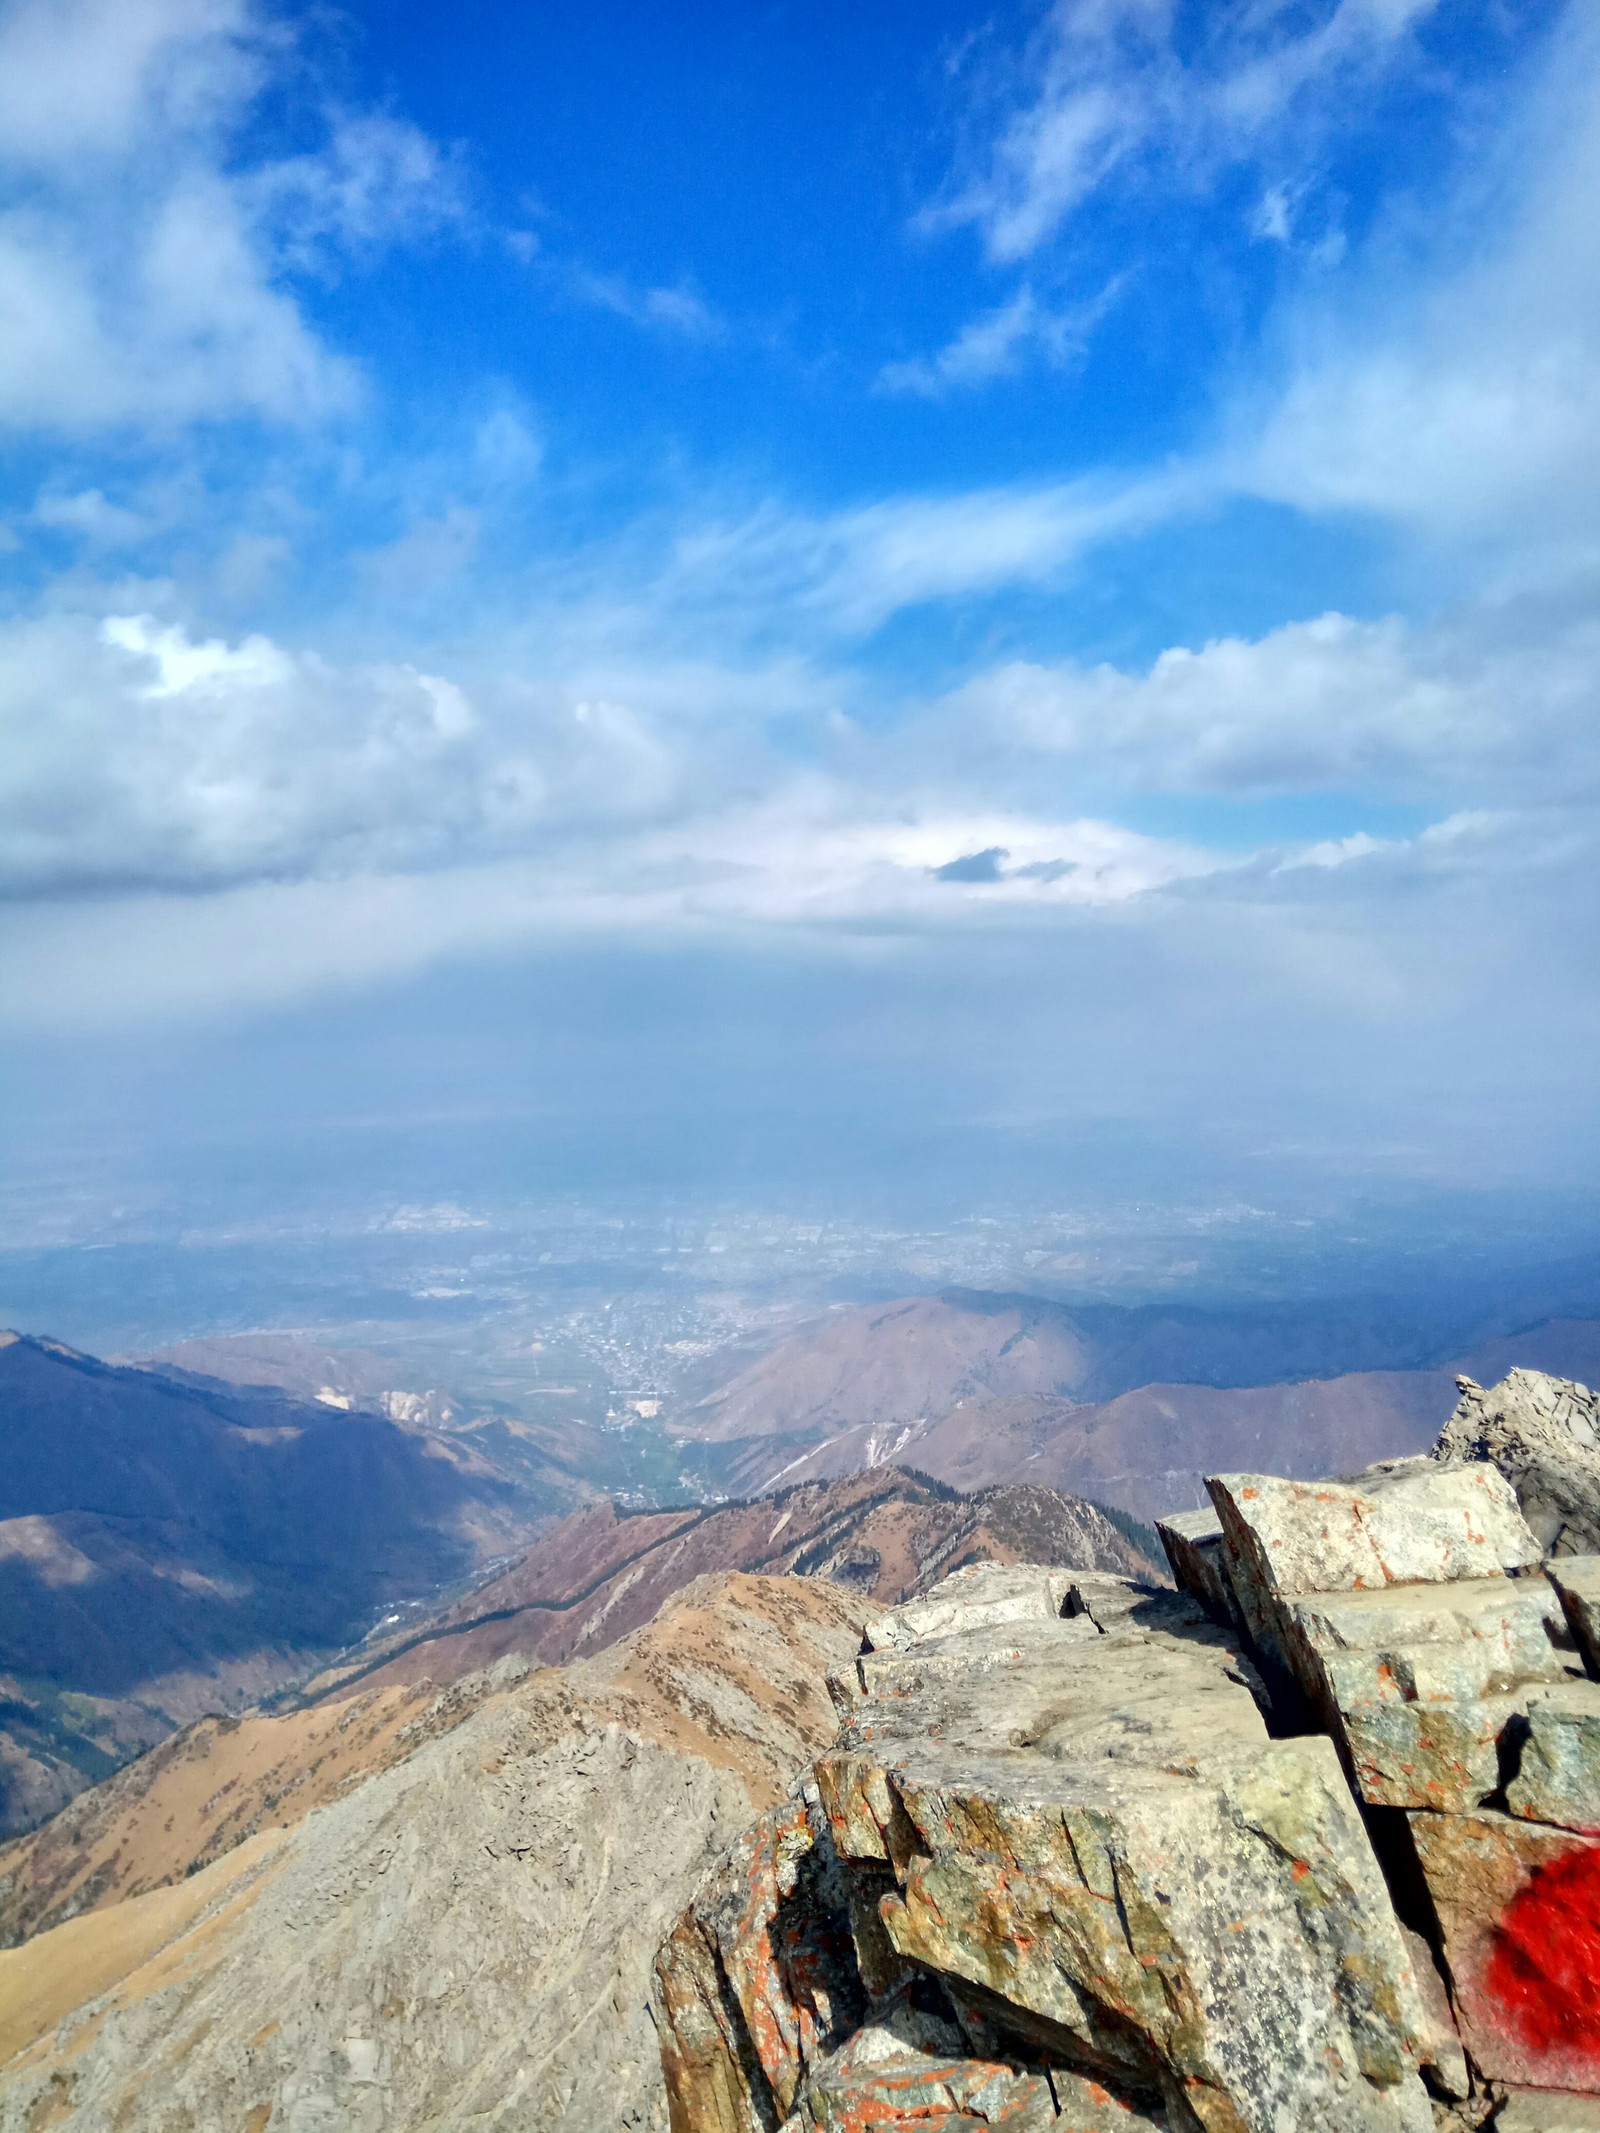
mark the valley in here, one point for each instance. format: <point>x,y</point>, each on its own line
<point>541,1478</point>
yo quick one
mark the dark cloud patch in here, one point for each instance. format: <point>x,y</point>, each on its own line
<point>973,866</point>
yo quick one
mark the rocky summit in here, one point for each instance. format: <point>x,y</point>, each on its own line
<point>1313,1843</point>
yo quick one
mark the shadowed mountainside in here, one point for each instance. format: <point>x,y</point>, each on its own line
<point>168,1548</point>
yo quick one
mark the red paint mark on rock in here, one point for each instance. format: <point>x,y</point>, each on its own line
<point>1545,1968</point>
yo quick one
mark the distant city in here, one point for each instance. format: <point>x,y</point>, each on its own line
<point>565,1312</point>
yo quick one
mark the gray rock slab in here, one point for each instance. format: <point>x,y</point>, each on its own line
<point>1113,1602</point>
<point>1109,1844</point>
<point>1577,1579</point>
<point>1431,1525</point>
<point>1558,1768</point>
<point>1547,2111</point>
<point>1418,1683</point>
<point>982,1595</point>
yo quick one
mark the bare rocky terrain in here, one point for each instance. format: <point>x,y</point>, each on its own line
<point>1309,1842</point>
<point>1312,1843</point>
<point>432,1908</point>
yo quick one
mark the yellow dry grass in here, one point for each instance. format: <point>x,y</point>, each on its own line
<point>131,1946</point>
<point>198,1796</point>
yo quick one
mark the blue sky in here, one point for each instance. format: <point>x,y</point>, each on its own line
<point>760,581</point>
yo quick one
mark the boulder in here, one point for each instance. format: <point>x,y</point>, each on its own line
<point>1405,1607</point>
<point>1558,1760</point>
<point>1193,1544</point>
<point>1543,1434</point>
<point>1417,1684</point>
<point>1412,1524</point>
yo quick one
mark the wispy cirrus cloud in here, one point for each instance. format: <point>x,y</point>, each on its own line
<point>1106,86</point>
<point>998,343</point>
<point>1458,398</point>
<point>674,308</point>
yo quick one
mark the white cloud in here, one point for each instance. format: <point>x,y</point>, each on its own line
<point>1104,86</point>
<point>428,557</point>
<point>94,336</point>
<point>814,854</point>
<point>1500,698</point>
<point>803,862</point>
<point>680,310</point>
<point>134,753</point>
<point>377,180</point>
<point>98,79</point>
<point>143,258</point>
<point>92,517</point>
<point>998,343</point>
<point>137,752</point>
<point>846,572</point>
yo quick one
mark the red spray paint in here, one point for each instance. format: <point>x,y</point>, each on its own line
<point>1545,1969</point>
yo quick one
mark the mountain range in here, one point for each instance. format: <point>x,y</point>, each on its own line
<point>172,1546</point>
<point>1128,1407</point>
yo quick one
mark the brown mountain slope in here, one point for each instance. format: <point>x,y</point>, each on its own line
<point>461,1938</point>
<point>1146,1450</point>
<point>600,1572</point>
<point>887,1363</point>
<point>979,1387</point>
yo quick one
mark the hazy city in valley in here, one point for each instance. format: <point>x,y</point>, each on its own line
<point>799,1130</point>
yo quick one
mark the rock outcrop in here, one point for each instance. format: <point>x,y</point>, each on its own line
<point>1543,1434</point>
<point>1054,1871</point>
<point>1314,1843</point>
